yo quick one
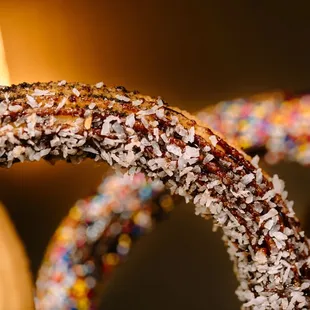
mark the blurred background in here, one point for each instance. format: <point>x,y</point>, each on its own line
<point>193,53</point>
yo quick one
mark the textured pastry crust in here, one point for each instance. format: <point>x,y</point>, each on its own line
<point>15,277</point>
<point>140,133</point>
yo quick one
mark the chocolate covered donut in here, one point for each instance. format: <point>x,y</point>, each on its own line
<point>72,121</point>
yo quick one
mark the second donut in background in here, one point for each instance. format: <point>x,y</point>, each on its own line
<point>272,122</point>
<point>94,238</point>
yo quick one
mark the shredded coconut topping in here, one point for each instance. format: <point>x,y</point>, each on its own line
<point>262,234</point>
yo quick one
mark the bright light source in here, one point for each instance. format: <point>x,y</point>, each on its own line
<point>4,71</point>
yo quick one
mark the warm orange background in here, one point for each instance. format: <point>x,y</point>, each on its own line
<point>190,52</point>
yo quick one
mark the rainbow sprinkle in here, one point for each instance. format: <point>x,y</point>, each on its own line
<point>272,122</point>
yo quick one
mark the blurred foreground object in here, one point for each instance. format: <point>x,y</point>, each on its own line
<point>15,279</point>
<point>4,72</point>
<point>268,121</point>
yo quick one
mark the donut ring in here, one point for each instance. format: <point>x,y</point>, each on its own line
<point>256,119</point>
<point>140,133</point>
<point>95,237</point>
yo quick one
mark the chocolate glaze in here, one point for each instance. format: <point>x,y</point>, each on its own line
<point>228,167</point>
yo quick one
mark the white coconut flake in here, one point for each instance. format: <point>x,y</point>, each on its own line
<point>278,184</point>
<point>208,158</point>
<point>248,178</point>
<point>305,285</point>
<point>40,92</point>
<point>76,92</point>
<point>255,161</point>
<point>278,235</point>
<point>45,152</point>
<point>269,195</point>
<point>144,122</point>
<point>271,213</point>
<point>258,288</point>
<point>90,150</point>
<point>55,141</point>
<point>179,129</point>
<point>160,113</point>
<point>185,171</point>
<point>62,83</point>
<point>213,140</point>
<point>174,120</point>
<point>164,137</point>
<point>31,101</point>
<point>130,120</point>
<point>207,149</point>
<point>256,302</point>
<point>156,149</point>
<point>122,98</point>
<point>99,84</point>
<point>15,108</point>
<point>259,176</point>
<point>17,151</point>
<point>213,184</point>
<point>269,224</point>
<point>106,126</point>
<point>111,104</point>
<point>92,105</point>
<point>3,108</point>
<point>112,142</point>
<point>191,135</point>
<point>118,128</point>
<point>137,102</point>
<point>286,274</point>
<point>61,104</point>
<point>160,102</point>
<point>191,152</point>
<point>174,149</point>
<point>250,198</point>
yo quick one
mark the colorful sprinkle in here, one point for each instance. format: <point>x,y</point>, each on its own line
<point>94,238</point>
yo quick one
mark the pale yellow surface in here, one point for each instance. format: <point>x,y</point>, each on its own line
<point>15,278</point>
<point>4,72</point>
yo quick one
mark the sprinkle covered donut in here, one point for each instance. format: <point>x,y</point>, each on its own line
<point>280,125</point>
<point>95,237</point>
<point>137,133</point>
